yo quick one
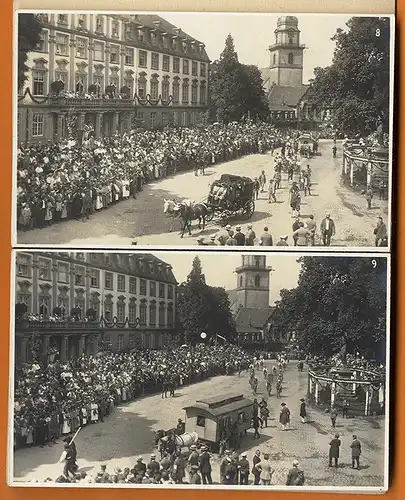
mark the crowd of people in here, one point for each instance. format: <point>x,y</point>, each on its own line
<point>74,178</point>
<point>55,400</point>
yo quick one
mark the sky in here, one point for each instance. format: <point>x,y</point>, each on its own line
<point>253,33</point>
<point>219,269</point>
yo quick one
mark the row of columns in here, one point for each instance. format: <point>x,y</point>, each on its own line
<point>350,164</point>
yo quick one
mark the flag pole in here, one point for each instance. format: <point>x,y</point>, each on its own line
<point>71,441</point>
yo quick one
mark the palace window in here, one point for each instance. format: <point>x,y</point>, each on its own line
<point>176,92</point>
<point>115,29</point>
<point>121,312</point>
<point>81,20</point>
<point>61,77</point>
<point>81,47</point>
<point>120,342</point>
<point>114,54</point>
<point>154,90</point>
<point>200,421</point>
<point>203,69</point>
<point>170,315</point>
<point>141,89</point>
<point>257,261</point>
<point>63,303</point>
<point>274,58</point>
<point>203,93</point>
<point>290,59</point>
<point>170,291</point>
<point>41,46</point>
<point>194,68</point>
<point>162,289</point>
<point>80,83</point>
<point>142,287</point>
<point>143,59</point>
<point>131,340</point>
<point>176,64</point>
<point>38,78</point>
<point>62,45</point>
<point>129,56</point>
<point>24,298</point>
<point>162,315</point>
<point>23,265</point>
<point>114,81</point>
<point>121,283</point>
<point>155,60</point>
<point>100,24</point>
<point>79,276</point>
<point>98,51</point>
<point>142,314</point>
<point>165,91</point>
<point>63,19</point>
<point>44,269</point>
<point>152,288</point>
<point>153,119</point>
<point>166,63</point>
<point>132,285</point>
<point>129,82</point>
<point>108,310</point>
<point>165,119</point>
<point>132,313</point>
<point>94,278</point>
<point>44,306</point>
<point>108,281</point>
<point>194,92</point>
<point>185,66</point>
<point>257,280</point>
<point>63,272</point>
<point>184,93</point>
<point>152,315</point>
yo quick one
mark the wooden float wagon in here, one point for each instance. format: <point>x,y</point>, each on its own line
<point>214,419</point>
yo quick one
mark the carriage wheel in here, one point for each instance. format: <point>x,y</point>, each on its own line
<point>248,209</point>
<point>210,216</point>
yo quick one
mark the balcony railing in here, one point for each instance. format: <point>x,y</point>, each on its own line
<point>43,326</point>
<point>91,103</point>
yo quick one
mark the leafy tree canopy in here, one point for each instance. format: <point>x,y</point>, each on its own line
<point>356,85</point>
<point>29,31</point>
<point>339,302</point>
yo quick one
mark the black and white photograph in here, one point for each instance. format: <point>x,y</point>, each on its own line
<point>156,370</point>
<point>203,129</point>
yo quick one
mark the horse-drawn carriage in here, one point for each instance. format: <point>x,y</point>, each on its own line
<point>307,146</point>
<point>220,421</point>
<point>229,196</point>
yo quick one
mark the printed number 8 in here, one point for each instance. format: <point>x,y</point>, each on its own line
<point>377,32</point>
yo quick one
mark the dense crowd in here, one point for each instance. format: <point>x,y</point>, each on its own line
<point>72,179</point>
<point>57,399</point>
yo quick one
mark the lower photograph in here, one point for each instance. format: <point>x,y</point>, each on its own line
<point>186,369</point>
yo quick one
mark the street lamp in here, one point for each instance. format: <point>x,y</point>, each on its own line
<point>203,335</point>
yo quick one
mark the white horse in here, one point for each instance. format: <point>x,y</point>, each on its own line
<point>172,210</point>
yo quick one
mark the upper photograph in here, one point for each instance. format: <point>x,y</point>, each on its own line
<point>203,129</point>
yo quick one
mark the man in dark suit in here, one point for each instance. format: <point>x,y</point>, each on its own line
<point>205,466</point>
<point>356,452</point>
<point>296,226</point>
<point>243,468</point>
<point>295,475</point>
<point>327,230</point>
<point>334,446</point>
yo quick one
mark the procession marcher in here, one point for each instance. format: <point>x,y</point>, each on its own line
<point>256,424</point>
<point>369,197</point>
<point>193,459</point>
<point>334,446</point>
<point>250,236</point>
<point>255,471</point>
<point>311,226</point>
<point>279,388</point>
<point>222,467</point>
<point>295,227</point>
<point>333,415</point>
<point>284,417</point>
<point>256,188</point>
<point>303,411</point>
<point>178,469</point>
<point>356,452</point>
<point>243,469</point>
<point>266,240</point>
<point>205,466</point>
<point>327,229</point>
<point>345,408</point>
<point>262,181</point>
<point>272,192</point>
<point>153,466</point>
<point>231,472</point>
<point>295,475</point>
<point>334,150</point>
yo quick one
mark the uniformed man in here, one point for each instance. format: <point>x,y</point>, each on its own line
<point>255,471</point>
<point>153,466</point>
<point>244,469</point>
<point>223,465</point>
<point>139,468</point>
<point>205,466</point>
<point>239,236</point>
<point>250,236</point>
<point>193,459</point>
<point>231,472</point>
<point>356,452</point>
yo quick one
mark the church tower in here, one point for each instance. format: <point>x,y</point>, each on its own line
<point>286,55</point>
<point>253,285</point>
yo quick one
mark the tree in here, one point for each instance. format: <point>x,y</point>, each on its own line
<point>339,303</point>
<point>356,85</point>
<point>235,88</point>
<point>29,30</point>
<point>202,308</point>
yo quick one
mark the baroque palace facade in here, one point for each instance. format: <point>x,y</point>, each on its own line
<point>155,74</point>
<point>73,302</point>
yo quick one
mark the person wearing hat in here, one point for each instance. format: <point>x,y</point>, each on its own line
<point>282,242</point>
<point>256,188</point>
<point>205,465</point>
<point>250,236</point>
<point>231,240</point>
<point>255,471</point>
<point>303,411</point>
<point>301,236</point>
<point>195,477</point>
<point>231,471</point>
<point>153,466</point>
<point>272,191</point>
<point>356,452</point>
<point>266,240</point>
<point>223,235</point>
<point>139,467</point>
<point>284,416</point>
<point>240,237</point>
<point>178,469</point>
<point>213,241</point>
<point>193,459</point>
<point>328,229</point>
<point>295,475</point>
<point>311,226</point>
<point>334,446</point>
<point>222,467</point>
<point>243,469</point>
<point>181,427</point>
<point>295,227</point>
<point>262,181</point>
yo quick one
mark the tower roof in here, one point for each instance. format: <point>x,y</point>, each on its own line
<point>289,20</point>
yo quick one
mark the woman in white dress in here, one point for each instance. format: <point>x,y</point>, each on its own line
<point>125,189</point>
<point>84,416</point>
<point>94,413</point>
<point>66,423</point>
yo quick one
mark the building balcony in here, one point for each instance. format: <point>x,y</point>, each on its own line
<point>253,268</point>
<point>284,45</point>
<point>91,103</point>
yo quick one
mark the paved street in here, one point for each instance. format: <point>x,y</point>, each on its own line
<point>142,220</point>
<point>128,432</point>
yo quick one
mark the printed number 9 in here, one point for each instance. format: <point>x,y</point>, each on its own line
<point>374,263</point>
<point>377,32</point>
